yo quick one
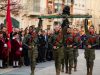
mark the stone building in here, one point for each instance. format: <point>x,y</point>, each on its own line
<point>44,7</point>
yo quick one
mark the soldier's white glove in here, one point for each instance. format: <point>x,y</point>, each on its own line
<point>20,49</point>
<point>8,38</point>
<point>5,45</point>
<point>89,46</point>
<point>33,46</point>
<point>55,47</point>
<point>74,46</point>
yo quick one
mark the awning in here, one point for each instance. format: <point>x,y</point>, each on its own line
<point>60,16</point>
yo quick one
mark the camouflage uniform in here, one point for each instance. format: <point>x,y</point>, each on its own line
<point>68,52</point>
<point>32,52</point>
<point>90,46</point>
<point>62,62</point>
<point>90,52</point>
<point>58,52</point>
<point>77,43</point>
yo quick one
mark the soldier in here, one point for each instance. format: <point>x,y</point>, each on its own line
<point>91,44</point>
<point>30,41</point>
<point>58,48</point>
<point>77,43</point>
<point>62,63</point>
<point>68,50</point>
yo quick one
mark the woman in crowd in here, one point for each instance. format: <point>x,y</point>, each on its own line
<point>16,49</point>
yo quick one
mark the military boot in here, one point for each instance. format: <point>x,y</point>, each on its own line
<point>32,73</point>
<point>75,68</point>
<point>88,72</point>
<point>62,68</point>
<point>57,72</point>
<point>91,69</point>
<point>70,70</point>
<point>67,71</point>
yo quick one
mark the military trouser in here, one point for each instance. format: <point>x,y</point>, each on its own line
<point>58,55</point>
<point>90,57</point>
<point>75,54</point>
<point>32,56</point>
<point>62,62</point>
<point>68,55</point>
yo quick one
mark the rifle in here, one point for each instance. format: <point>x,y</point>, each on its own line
<point>39,25</point>
<point>86,27</point>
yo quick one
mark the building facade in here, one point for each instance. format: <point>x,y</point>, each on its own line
<point>44,7</point>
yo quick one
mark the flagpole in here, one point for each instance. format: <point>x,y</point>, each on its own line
<point>8,19</point>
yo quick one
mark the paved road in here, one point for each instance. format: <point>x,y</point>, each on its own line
<point>47,68</point>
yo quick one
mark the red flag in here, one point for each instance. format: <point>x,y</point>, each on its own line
<point>8,19</point>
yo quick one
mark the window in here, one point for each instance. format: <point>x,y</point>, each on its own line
<point>36,5</point>
<point>50,6</point>
<point>69,1</point>
<point>48,27</point>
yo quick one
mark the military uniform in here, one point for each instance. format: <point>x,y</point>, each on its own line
<point>76,45</point>
<point>58,51</point>
<point>33,53</point>
<point>68,52</point>
<point>62,62</point>
<point>90,52</point>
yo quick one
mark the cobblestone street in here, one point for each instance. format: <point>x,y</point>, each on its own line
<point>48,68</point>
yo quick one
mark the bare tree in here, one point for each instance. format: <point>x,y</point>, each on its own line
<point>14,5</point>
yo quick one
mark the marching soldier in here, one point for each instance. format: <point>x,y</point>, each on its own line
<point>30,41</point>
<point>68,50</point>
<point>58,48</point>
<point>62,63</point>
<point>77,43</point>
<point>90,47</point>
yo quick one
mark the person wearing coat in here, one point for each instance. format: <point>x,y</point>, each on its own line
<point>16,49</point>
<point>3,48</point>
